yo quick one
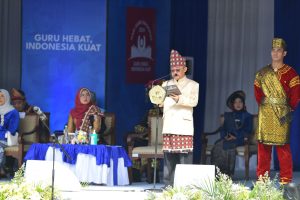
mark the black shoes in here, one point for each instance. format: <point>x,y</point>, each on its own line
<point>165,187</point>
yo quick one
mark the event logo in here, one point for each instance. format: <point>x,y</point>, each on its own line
<point>62,42</point>
<point>140,45</point>
<point>141,38</point>
<point>141,50</point>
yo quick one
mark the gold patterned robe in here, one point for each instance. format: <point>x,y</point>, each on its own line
<point>277,93</point>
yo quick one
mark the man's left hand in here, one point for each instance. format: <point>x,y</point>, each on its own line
<point>175,97</point>
<point>286,118</point>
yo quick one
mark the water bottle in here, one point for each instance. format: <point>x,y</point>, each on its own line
<point>94,138</point>
<point>67,139</point>
<point>75,140</point>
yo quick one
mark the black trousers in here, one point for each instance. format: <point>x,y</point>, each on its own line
<point>170,161</point>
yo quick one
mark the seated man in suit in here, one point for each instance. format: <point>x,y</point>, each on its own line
<point>18,100</point>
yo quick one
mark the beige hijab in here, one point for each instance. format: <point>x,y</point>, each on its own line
<point>6,107</point>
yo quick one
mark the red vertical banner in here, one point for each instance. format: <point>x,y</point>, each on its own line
<point>140,45</point>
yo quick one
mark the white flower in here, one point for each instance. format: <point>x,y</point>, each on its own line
<point>179,196</point>
<point>16,197</point>
<point>35,196</point>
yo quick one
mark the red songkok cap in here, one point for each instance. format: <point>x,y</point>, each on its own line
<point>176,60</point>
<point>17,94</point>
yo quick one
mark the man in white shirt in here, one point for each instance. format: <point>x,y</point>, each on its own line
<point>178,126</point>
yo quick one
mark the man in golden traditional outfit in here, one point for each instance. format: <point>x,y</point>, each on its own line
<point>277,92</point>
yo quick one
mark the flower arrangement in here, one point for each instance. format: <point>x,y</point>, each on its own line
<point>82,137</point>
<point>79,137</point>
<point>223,189</point>
<point>18,189</point>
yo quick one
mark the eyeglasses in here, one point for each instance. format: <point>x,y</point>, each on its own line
<point>176,70</point>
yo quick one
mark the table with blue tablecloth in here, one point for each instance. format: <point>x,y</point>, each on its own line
<point>100,164</point>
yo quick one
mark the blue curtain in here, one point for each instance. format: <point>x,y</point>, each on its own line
<point>287,26</point>
<point>128,101</point>
<point>189,37</point>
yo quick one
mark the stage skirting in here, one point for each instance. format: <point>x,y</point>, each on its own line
<point>98,164</point>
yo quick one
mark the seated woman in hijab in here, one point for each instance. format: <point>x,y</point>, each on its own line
<point>9,123</point>
<point>85,114</point>
<point>236,127</point>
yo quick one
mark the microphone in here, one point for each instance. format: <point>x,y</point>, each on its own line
<point>159,79</point>
<point>40,113</point>
<point>43,118</point>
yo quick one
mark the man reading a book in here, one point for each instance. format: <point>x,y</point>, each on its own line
<point>178,125</point>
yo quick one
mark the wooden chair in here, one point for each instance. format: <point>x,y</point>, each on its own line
<point>148,152</point>
<point>249,149</point>
<point>44,134</point>
<point>28,134</point>
<point>109,133</point>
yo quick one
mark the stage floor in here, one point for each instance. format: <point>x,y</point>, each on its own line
<point>134,191</point>
<point>137,190</point>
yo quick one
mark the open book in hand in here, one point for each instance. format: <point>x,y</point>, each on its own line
<point>172,89</point>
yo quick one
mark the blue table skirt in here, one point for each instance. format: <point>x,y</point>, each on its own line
<point>102,153</point>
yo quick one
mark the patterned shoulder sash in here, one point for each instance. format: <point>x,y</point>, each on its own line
<point>93,110</point>
<point>273,90</point>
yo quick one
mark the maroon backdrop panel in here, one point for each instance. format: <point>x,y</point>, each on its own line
<point>140,45</point>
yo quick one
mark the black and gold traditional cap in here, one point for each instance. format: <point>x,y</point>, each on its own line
<point>237,94</point>
<point>17,94</point>
<point>278,43</point>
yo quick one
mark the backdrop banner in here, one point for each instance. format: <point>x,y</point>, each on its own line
<point>63,49</point>
<point>140,45</point>
<point>289,12</point>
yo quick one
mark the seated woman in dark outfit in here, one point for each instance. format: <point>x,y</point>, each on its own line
<point>236,127</point>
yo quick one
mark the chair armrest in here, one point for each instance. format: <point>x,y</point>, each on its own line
<point>246,141</point>
<point>29,133</point>
<point>204,141</point>
<point>248,138</point>
<point>22,134</point>
<point>205,134</point>
<point>214,132</point>
<point>107,132</point>
<point>246,150</point>
<point>20,139</point>
<point>131,138</point>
